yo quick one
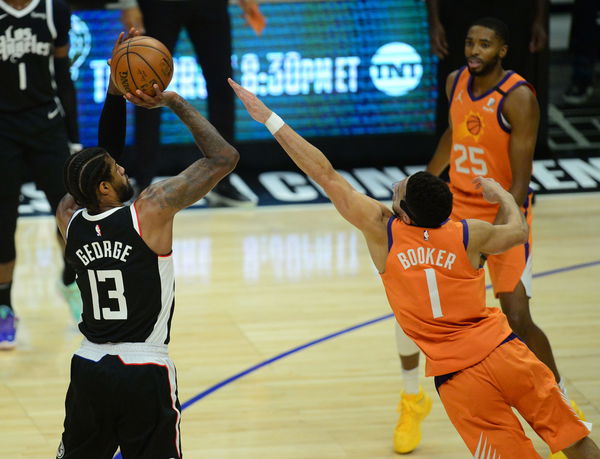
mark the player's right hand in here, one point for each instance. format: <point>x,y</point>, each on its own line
<point>159,99</point>
<point>492,190</point>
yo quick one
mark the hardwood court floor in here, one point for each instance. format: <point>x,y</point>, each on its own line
<point>253,284</point>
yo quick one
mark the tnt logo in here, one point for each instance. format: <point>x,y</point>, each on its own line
<point>396,69</point>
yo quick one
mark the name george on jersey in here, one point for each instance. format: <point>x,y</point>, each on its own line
<point>426,256</point>
<point>15,43</point>
<point>106,249</point>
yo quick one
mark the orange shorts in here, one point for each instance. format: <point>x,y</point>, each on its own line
<point>479,403</point>
<point>508,268</point>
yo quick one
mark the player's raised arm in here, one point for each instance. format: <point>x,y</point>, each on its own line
<point>505,233</point>
<point>365,213</point>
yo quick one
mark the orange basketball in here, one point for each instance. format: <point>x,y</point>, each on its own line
<point>473,124</point>
<point>140,63</point>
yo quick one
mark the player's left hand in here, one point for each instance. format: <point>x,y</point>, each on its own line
<point>539,37</point>
<point>257,110</point>
<point>132,32</point>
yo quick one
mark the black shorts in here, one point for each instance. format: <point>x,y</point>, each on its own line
<point>33,146</point>
<point>112,404</point>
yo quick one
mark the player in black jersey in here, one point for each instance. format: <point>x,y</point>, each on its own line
<point>35,96</point>
<point>123,390</point>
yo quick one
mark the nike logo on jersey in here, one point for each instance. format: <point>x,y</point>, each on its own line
<point>459,96</point>
<point>38,15</point>
<point>53,113</point>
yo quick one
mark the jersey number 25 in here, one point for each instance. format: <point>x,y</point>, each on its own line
<point>475,164</point>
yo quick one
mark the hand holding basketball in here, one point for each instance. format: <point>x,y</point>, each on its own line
<point>159,99</point>
<point>132,32</point>
<point>257,110</point>
<point>140,62</point>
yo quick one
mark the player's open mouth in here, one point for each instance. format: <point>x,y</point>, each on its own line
<point>474,63</point>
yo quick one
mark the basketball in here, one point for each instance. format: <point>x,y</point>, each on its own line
<point>474,124</point>
<point>140,63</point>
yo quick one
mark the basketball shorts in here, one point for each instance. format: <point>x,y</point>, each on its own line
<point>479,401</point>
<point>33,146</point>
<point>127,400</point>
<point>508,268</point>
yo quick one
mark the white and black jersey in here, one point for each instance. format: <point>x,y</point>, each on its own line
<point>28,38</point>
<point>127,289</point>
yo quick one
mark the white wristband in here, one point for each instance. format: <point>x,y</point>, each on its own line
<point>274,123</point>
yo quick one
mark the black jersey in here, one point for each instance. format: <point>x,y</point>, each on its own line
<point>127,290</point>
<point>28,38</point>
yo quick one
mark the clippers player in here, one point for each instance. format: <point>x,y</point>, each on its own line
<point>35,96</point>
<point>429,266</point>
<point>123,390</point>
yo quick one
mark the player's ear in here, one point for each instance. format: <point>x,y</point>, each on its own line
<point>405,218</point>
<point>104,188</point>
<point>503,51</point>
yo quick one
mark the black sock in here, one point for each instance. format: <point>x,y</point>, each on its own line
<point>68,276</point>
<point>5,294</point>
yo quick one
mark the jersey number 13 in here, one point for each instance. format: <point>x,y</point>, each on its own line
<point>118,294</point>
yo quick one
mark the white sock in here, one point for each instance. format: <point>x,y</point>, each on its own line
<point>563,388</point>
<point>410,378</point>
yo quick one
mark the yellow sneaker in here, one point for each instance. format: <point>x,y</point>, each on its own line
<point>413,408</point>
<point>580,415</point>
<point>578,411</point>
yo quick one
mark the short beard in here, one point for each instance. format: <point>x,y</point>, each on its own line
<point>125,192</point>
<point>486,69</point>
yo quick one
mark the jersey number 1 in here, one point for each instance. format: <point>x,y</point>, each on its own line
<point>117,293</point>
<point>434,294</point>
<point>22,76</point>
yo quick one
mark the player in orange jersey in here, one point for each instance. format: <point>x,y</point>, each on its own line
<point>430,270</point>
<point>492,132</point>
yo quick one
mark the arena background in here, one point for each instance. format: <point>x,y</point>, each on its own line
<point>356,78</point>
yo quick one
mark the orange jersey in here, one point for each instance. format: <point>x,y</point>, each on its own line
<point>438,298</point>
<point>480,134</point>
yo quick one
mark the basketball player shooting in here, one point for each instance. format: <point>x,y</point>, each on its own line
<point>420,253</point>
<point>123,389</point>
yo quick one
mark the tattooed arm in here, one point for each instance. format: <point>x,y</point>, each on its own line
<point>158,204</point>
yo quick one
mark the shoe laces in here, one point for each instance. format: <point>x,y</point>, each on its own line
<point>407,412</point>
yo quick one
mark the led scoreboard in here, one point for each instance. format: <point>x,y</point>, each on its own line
<point>330,68</point>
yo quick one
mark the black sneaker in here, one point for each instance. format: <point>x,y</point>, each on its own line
<point>225,194</point>
<point>578,94</point>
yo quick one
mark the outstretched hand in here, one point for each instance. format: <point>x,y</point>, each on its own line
<point>160,99</point>
<point>257,110</point>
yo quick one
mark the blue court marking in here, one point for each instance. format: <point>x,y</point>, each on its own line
<point>296,349</point>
